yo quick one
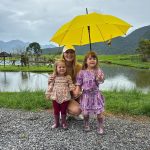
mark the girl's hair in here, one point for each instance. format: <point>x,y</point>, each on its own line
<point>56,63</point>
<point>92,54</point>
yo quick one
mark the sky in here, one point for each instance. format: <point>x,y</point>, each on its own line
<point>38,20</point>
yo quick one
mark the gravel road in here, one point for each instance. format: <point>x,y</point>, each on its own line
<point>22,130</point>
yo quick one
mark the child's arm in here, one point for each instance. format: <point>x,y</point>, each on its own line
<point>47,96</point>
<point>50,87</point>
<point>79,82</point>
<point>77,91</point>
<point>51,78</point>
<point>100,76</point>
<point>70,83</point>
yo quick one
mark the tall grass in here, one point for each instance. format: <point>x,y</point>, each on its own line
<point>24,100</point>
<point>128,102</point>
<point>122,102</point>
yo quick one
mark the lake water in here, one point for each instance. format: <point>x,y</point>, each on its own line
<point>116,77</point>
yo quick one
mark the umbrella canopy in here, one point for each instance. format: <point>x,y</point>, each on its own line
<point>90,28</point>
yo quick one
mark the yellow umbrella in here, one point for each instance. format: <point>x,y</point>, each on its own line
<point>90,28</point>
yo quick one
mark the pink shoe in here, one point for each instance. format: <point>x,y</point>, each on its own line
<point>100,131</point>
<point>54,126</point>
<point>56,122</point>
<point>86,128</point>
<point>64,123</point>
<point>64,126</point>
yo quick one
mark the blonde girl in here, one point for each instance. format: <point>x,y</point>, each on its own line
<point>59,92</point>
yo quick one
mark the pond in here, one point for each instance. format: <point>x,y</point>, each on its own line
<point>116,77</point>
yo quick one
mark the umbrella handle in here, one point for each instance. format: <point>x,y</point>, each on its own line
<point>89,38</point>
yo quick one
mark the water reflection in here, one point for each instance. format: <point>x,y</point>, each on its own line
<point>118,82</point>
<point>117,77</point>
<point>25,75</point>
<point>142,79</point>
<point>18,81</point>
<point>121,77</point>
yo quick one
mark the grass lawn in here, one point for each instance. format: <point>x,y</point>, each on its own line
<point>124,60</point>
<point>123,102</point>
<point>26,69</point>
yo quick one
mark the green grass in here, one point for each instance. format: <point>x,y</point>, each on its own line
<point>26,69</point>
<point>123,102</point>
<point>124,60</point>
<point>24,100</point>
<point>131,102</point>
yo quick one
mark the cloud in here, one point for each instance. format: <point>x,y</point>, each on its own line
<point>36,20</point>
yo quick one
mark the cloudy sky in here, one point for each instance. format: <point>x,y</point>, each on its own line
<point>38,20</point>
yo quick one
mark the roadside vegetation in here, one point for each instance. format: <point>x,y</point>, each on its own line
<point>122,102</point>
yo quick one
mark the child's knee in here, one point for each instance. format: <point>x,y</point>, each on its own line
<point>74,111</point>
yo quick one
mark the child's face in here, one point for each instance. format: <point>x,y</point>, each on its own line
<point>61,68</point>
<point>91,62</point>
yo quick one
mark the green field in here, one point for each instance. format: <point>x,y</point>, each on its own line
<point>130,103</point>
<point>124,60</point>
<point>26,69</point>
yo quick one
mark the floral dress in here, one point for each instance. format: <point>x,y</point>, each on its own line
<point>91,100</point>
<point>59,89</point>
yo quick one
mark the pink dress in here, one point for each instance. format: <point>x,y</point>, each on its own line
<point>59,89</point>
<point>91,101</point>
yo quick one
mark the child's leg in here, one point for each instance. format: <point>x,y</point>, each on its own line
<point>86,121</point>
<point>56,107</point>
<point>64,106</point>
<point>100,120</point>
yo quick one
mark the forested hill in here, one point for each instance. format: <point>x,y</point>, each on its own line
<point>120,45</point>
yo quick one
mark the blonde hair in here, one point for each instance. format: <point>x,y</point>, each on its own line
<point>56,63</point>
<point>92,54</point>
<point>74,62</point>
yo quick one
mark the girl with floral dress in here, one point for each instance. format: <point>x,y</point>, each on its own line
<point>59,92</point>
<point>91,100</point>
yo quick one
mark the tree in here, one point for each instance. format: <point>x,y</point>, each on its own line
<point>144,49</point>
<point>35,48</point>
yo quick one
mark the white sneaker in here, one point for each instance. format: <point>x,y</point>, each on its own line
<point>79,117</point>
<point>71,117</point>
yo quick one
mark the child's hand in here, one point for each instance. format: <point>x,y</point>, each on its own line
<point>100,76</point>
<point>51,78</point>
<point>76,91</point>
<point>47,96</point>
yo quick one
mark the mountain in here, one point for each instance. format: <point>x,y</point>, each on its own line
<point>12,45</point>
<point>120,45</point>
<point>17,45</point>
